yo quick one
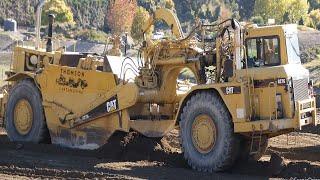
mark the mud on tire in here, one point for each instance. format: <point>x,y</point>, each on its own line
<point>28,92</point>
<point>224,152</point>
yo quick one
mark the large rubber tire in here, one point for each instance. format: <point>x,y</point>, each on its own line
<point>224,152</point>
<point>38,133</point>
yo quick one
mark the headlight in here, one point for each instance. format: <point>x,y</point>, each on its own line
<point>34,60</point>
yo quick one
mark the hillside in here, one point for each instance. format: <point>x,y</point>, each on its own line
<point>93,13</point>
<point>86,13</point>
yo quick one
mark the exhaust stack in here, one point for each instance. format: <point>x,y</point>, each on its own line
<point>50,29</point>
<point>38,22</point>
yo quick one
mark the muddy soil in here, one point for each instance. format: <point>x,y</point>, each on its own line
<point>136,157</point>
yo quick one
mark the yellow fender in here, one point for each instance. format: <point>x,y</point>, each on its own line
<point>20,76</point>
<point>232,101</point>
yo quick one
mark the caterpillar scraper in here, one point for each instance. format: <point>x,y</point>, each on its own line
<point>257,89</point>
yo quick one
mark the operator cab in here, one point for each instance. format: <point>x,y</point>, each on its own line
<point>273,64</point>
<point>272,46</point>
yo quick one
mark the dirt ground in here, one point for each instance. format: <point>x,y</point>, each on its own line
<point>137,157</point>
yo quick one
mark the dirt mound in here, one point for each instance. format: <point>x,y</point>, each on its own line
<point>136,147</point>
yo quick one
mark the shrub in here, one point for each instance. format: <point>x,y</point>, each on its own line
<point>257,20</point>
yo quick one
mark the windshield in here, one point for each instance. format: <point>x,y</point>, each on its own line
<point>293,52</point>
<point>263,51</point>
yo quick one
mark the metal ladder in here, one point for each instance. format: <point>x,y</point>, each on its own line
<point>255,136</point>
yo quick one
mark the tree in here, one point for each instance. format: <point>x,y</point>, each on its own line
<point>297,9</point>
<point>150,5</point>
<point>286,18</point>
<point>281,10</point>
<point>141,16</point>
<point>313,19</point>
<point>120,15</point>
<point>257,20</point>
<point>60,9</point>
<point>314,4</point>
<point>270,9</point>
<point>245,8</point>
<point>234,8</point>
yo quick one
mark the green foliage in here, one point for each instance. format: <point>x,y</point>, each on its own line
<point>89,13</point>
<point>98,13</point>
<point>281,10</point>
<point>150,5</point>
<point>21,11</point>
<point>140,18</point>
<point>210,10</point>
<point>297,9</point>
<point>234,8</point>
<point>313,19</point>
<point>257,20</point>
<point>60,9</point>
<point>245,8</point>
<point>270,9</point>
<point>92,35</point>
<point>314,4</point>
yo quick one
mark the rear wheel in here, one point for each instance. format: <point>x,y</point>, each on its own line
<point>25,121</point>
<point>208,141</point>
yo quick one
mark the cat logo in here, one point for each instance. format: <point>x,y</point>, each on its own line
<point>229,90</point>
<point>112,104</point>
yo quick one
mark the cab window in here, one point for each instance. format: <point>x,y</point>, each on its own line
<point>263,51</point>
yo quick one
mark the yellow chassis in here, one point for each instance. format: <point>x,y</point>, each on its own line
<point>272,127</point>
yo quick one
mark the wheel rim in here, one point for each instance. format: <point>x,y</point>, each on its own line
<point>203,133</point>
<point>23,117</point>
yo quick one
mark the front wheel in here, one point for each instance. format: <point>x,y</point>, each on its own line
<point>25,121</point>
<point>208,141</point>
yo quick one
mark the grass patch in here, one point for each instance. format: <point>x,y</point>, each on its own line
<point>92,35</point>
